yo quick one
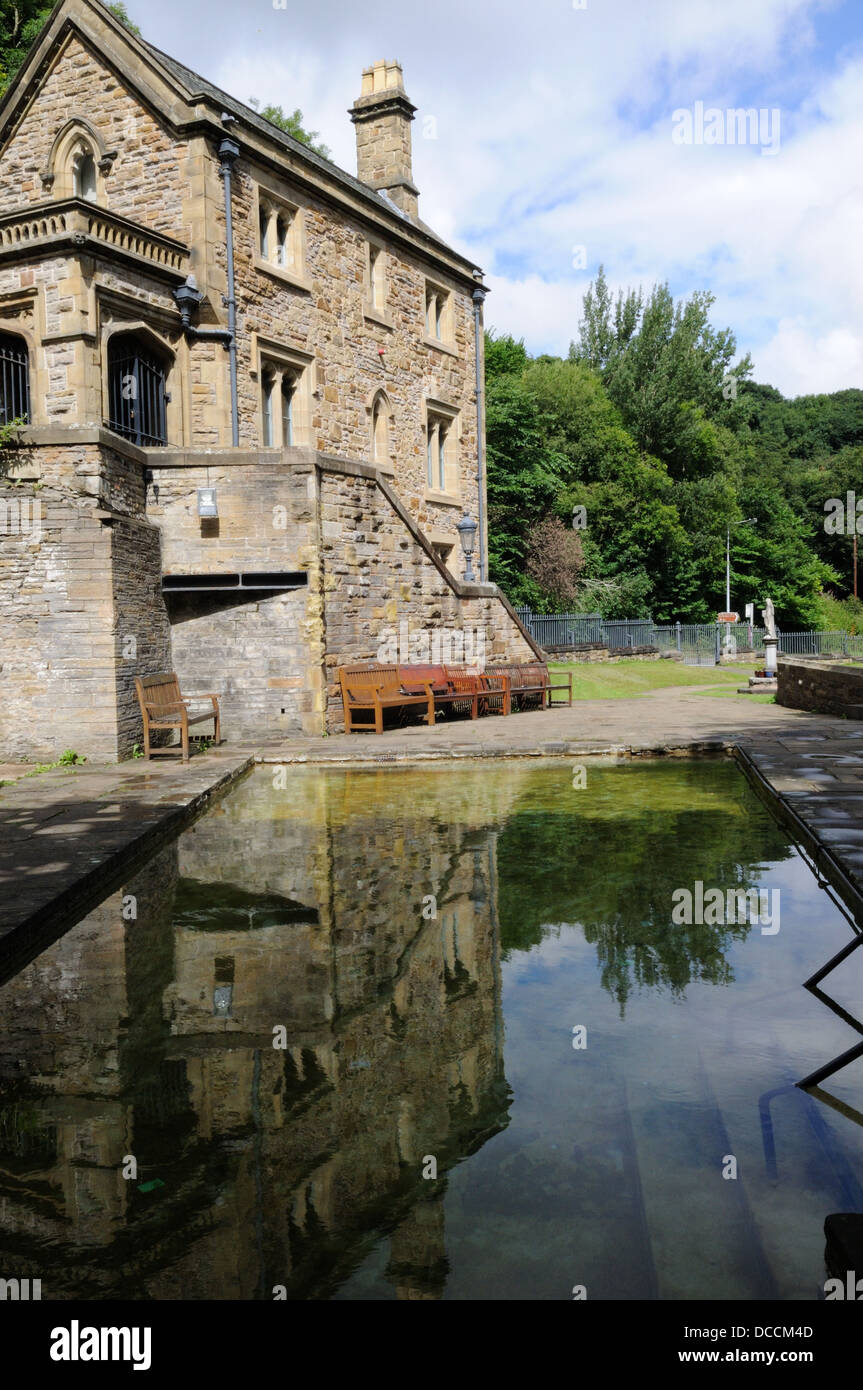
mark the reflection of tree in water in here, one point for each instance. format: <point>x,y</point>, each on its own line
<point>611,861</point>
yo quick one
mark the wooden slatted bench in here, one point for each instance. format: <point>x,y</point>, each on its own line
<point>531,685</point>
<point>163,707</point>
<point>456,687</point>
<point>369,689</point>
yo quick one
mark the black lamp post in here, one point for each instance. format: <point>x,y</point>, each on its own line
<point>467,530</point>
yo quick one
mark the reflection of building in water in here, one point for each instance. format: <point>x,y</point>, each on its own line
<point>154,1038</point>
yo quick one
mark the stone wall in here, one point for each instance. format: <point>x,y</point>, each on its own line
<point>378,576</point>
<point>822,686</point>
<point>321,308</point>
<point>262,653</point>
<point>80,605</point>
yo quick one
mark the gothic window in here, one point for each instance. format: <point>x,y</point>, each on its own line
<point>380,431</point>
<point>284,407</point>
<point>441,452</point>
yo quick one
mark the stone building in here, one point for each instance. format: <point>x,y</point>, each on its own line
<point>248,383</point>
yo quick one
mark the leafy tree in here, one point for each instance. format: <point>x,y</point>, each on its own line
<point>292,124</point>
<point>523,480</point>
<point>21,23</point>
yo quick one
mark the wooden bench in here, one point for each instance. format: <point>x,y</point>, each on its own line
<point>370,689</point>
<point>163,707</point>
<point>458,687</point>
<point>530,684</point>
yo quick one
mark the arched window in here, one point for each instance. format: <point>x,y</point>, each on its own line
<point>269,391</point>
<point>288,387</point>
<point>137,398</point>
<point>264,231</point>
<point>84,182</point>
<point>283,229</point>
<point>14,379</point>
<point>380,431</point>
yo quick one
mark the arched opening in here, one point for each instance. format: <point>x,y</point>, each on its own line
<point>137,395</point>
<point>287,393</point>
<point>84,181</point>
<point>268,382</point>
<point>283,229</point>
<point>14,379</point>
<point>380,431</point>
<point>264,231</point>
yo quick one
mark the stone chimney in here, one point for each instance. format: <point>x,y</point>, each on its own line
<point>382,115</point>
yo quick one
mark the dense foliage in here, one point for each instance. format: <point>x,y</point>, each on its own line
<point>653,428</point>
<point>21,22</point>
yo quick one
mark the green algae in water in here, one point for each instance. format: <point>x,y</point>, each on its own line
<point>342,1028</point>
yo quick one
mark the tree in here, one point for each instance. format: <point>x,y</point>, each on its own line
<point>21,23</point>
<point>666,368</point>
<point>523,479</point>
<point>292,125</point>
<point>555,560</point>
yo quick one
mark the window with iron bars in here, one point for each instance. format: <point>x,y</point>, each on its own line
<point>137,397</point>
<point>14,379</point>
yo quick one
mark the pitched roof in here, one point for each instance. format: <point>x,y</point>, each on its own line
<point>80,14</point>
<point>195,85</point>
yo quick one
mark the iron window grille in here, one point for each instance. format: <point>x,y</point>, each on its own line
<point>14,380</point>
<point>137,398</point>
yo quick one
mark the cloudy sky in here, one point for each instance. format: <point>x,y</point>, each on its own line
<point>546,143</point>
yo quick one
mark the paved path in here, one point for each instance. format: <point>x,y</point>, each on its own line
<point>69,836</point>
<point>660,721</point>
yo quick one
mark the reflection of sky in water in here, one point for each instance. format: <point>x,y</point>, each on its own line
<point>452,1037</point>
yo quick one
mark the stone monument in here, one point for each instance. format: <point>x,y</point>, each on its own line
<point>771,641</point>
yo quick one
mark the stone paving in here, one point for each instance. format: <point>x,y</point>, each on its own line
<point>66,835</point>
<point>71,835</point>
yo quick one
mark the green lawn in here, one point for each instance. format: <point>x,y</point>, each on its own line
<point>622,680</point>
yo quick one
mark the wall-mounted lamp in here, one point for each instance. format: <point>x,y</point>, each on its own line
<point>187,298</point>
<point>207,505</point>
<point>467,535</point>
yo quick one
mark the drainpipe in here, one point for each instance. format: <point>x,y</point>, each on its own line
<point>479,295</point>
<point>229,151</point>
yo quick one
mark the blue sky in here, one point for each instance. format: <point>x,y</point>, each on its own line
<point>544,128</point>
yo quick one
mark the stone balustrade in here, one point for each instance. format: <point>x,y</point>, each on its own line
<point>84,225</point>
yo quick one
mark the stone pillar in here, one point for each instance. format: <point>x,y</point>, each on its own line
<point>382,115</point>
<point>770,644</point>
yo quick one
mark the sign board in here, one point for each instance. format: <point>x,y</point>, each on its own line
<point>728,617</point>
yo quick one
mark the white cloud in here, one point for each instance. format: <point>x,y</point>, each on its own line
<point>554,129</point>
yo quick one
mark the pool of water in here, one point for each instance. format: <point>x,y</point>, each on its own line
<point>391,1034</point>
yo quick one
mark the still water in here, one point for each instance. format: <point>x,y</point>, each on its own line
<point>232,1076</point>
